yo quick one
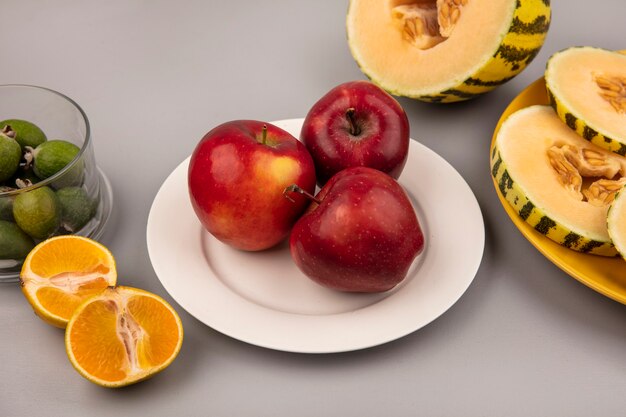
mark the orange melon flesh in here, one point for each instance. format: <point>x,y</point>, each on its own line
<point>523,142</point>
<point>376,40</point>
<point>616,222</point>
<point>570,76</point>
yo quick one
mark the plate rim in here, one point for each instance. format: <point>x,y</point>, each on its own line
<point>472,267</point>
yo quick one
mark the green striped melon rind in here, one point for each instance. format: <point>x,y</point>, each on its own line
<point>577,123</point>
<point>514,194</point>
<point>611,219</point>
<point>519,46</point>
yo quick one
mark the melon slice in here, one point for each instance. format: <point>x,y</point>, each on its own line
<point>559,183</point>
<point>445,50</point>
<point>616,222</point>
<point>587,88</point>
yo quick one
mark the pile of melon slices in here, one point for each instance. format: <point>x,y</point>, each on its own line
<point>562,167</point>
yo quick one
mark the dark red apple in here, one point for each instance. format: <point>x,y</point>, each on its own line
<point>361,233</point>
<point>236,178</point>
<point>356,124</point>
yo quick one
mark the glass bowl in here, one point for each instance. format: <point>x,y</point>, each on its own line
<point>75,200</point>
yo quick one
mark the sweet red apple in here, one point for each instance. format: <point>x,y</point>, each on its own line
<point>356,124</point>
<point>360,233</point>
<point>236,178</point>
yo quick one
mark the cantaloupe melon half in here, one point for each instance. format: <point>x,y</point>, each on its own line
<point>616,222</point>
<point>587,88</point>
<point>557,181</point>
<point>445,50</point>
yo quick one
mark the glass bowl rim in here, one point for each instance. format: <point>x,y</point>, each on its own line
<point>73,162</point>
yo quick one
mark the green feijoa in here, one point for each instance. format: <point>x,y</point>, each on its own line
<point>6,208</point>
<point>14,243</point>
<point>77,208</point>
<point>26,133</point>
<point>10,155</point>
<point>52,156</point>
<point>37,212</point>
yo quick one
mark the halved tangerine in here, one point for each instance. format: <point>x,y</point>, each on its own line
<point>61,272</point>
<point>122,336</point>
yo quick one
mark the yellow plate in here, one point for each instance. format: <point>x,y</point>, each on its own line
<point>605,275</point>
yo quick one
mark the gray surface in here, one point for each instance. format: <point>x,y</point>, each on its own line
<point>525,340</point>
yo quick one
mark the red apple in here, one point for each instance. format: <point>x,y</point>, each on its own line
<point>361,233</point>
<point>236,178</point>
<point>356,124</point>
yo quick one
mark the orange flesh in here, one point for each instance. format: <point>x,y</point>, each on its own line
<point>62,272</point>
<point>95,344</point>
<point>122,336</point>
<point>159,326</point>
<point>62,303</point>
<point>523,141</point>
<point>571,76</point>
<point>379,45</point>
<point>59,258</point>
<point>617,222</point>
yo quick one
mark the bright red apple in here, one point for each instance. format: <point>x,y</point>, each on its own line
<point>361,233</point>
<point>356,124</point>
<point>236,178</point>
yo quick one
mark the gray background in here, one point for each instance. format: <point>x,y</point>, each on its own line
<point>154,76</point>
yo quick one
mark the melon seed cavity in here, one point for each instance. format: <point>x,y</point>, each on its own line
<point>427,23</point>
<point>613,90</point>
<point>587,174</point>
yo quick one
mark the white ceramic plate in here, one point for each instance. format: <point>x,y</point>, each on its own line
<point>263,299</point>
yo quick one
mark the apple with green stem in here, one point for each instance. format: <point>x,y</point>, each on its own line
<point>236,178</point>
<point>360,233</point>
<point>356,124</point>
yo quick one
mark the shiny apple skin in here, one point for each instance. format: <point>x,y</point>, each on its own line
<point>362,236</point>
<point>382,140</point>
<point>236,183</point>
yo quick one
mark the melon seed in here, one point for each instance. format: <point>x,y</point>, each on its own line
<point>427,23</point>
<point>613,90</point>
<point>449,13</point>
<point>568,175</point>
<point>418,23</point>
<point>572,164</point>
<point>602,192</point>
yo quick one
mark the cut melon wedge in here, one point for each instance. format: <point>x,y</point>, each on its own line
<point>616,222</point>
<point>587,88</point>
<point>558,182</point>
<point>445,50</point>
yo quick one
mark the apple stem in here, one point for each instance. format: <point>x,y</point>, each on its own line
<point>354,128</point>
<point>293,188</point>
<point>264,135</point>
